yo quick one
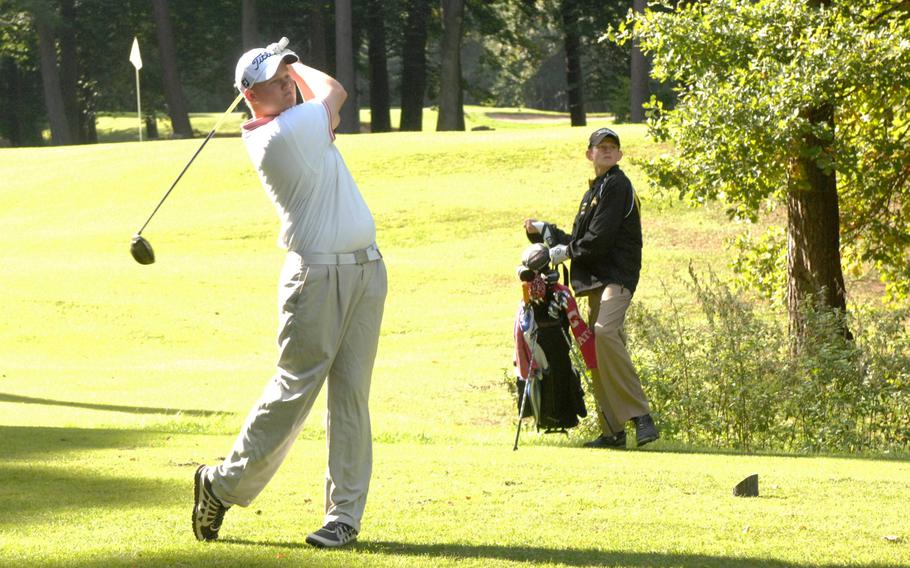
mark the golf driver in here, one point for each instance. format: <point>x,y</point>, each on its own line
<point>140,248</point>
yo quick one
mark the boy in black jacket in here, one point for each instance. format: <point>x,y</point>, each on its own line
<point>605,250</point>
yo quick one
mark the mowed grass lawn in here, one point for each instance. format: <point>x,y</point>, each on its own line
<point>117,379</point>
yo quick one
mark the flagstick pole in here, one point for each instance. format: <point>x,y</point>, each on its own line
<point>138,105</point>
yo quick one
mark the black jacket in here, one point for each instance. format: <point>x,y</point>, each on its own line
<point>605,244</point>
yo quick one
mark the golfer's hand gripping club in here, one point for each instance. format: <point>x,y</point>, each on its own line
<point>278,47</point>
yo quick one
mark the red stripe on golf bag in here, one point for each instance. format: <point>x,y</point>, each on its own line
<point>584,335</point>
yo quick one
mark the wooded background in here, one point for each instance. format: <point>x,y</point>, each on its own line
<point>63,61</point>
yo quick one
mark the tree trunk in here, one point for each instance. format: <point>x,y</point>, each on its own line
<point>88,132</point>
<point>638,76</point>
<point>151,126</point>
<point>69,74</point>
<point>344,66</point>
<point>53,95</point>
<point>451,113</point>
<point>21,106</point>
<point>173,90</point>
<point>14,115</point>
<point>249,25</point>
<point>10,123</point>
<point>380,121</point>
<point>414,65</point>
<point>813,226</point>
<point>317,57</point>
<point>573,62</point>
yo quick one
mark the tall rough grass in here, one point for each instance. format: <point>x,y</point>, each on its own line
<point>726,376</point>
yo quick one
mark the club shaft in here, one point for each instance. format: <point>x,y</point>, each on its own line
<point>521,412</point>
<point>187,166</point>
<point>173,185</point>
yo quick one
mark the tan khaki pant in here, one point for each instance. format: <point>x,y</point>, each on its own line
<point>617,389</point>
<point>329,328</point>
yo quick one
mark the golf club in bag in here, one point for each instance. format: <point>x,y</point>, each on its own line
<point>547,381</point>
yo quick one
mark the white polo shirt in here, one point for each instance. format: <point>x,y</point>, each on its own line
<point>320,207</point>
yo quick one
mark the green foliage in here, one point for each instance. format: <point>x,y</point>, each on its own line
<point>746,71</point>
<point>21,99</point>
<point>728,378</point>
<point>516,55</point>
<point>761,263</point>
<point>714,382</point>
<point>856,394</point>
<point>15,33</point>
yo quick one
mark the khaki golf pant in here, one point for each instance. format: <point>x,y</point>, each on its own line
<point>329,329</point>
<point>617,388</point>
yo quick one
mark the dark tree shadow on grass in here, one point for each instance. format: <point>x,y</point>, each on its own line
<point>37,493</point>
<point>569,556</point>
<point>39,442</point>
<point>46,472</point>
<point>15,398</point>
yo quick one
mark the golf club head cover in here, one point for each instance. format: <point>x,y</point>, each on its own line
<point>537,290</point>
<point>547,234</point>
<point>525,274</point>
<point>536,257</point>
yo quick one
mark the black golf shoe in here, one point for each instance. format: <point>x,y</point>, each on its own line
<point>616,441</point>
<point>645,430</point>
<point>332,535</point>
<point>208,512</point>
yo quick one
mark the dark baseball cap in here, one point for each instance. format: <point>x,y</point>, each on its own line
<point>598,135</point>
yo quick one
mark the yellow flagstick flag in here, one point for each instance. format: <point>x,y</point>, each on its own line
<point>136,60</point>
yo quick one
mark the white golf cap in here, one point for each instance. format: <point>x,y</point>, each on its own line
<point>260,64</point>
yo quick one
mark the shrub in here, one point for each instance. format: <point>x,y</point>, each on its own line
<point>725,375</point>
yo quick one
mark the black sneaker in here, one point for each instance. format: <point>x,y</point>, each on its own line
<point>332,535</point>
<point>208,511</point>
<point>616,441</point>
<point>645,430</point>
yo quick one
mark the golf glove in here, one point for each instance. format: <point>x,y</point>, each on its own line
<point>559,254</point>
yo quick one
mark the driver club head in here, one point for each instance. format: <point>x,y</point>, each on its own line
<point>141,250</point>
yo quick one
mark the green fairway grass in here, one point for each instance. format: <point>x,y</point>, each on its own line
<point>117,380</point>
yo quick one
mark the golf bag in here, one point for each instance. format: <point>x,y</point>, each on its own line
<point>553,386</point>
<point>547,381</point>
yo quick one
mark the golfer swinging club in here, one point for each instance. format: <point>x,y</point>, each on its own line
<point>330,298</point>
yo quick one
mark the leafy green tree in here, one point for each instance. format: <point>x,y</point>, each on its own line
<point>515,55</point>
<point>504,45</point>
<point>796,104</point>
<point>21,103</point>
